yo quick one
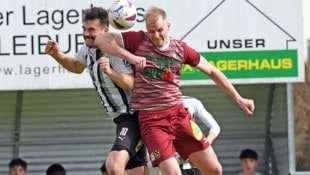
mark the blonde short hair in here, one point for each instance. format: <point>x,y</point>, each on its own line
<point>155,12</point>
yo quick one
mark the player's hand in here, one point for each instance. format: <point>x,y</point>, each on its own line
<point>51,47</point>
<point>138,61</point>
<point>105,65</point>
<point>247,105</point>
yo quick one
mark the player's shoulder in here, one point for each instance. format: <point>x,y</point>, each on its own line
<point>83,50</point>
<point>136,35</point>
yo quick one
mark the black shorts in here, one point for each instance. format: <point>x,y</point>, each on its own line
<point>191,171</point>
<point>128,138</point>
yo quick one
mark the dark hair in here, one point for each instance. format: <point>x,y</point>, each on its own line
<point>56,169</point>
<point>248,153</point>
<point>18,162</point>
<point>97,13</point>
<point>103,168</point>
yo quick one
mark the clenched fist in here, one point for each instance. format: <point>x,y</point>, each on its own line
<point>105,65</point>
<point>51,48</point>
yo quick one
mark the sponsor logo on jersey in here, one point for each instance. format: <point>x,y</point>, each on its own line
<point>154,155</point>
<point>126,63</point>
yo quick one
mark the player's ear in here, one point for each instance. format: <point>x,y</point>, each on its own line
<point>168,25</point>
<point>106,29</point>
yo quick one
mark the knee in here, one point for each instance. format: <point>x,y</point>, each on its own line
<point>218,170</point>
<point>215,170</point>
<point>113,168</point>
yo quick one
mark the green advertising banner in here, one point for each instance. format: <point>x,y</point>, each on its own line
<point>248,64</point>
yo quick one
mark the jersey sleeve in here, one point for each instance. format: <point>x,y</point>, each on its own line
<point>197,110</point>
<point>206,118</point>
<point>81,56</point>
<point>132,40</point>
<point>191,56</point>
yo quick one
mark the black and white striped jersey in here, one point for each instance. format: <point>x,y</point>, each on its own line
<point>114,99</point>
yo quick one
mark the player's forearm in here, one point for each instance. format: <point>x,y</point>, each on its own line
<point>68,62</point>
<point>221,80</point>
<point>125,81</point>
<point>210,122</point>
<point>110,43</point>
<point>211,137</point>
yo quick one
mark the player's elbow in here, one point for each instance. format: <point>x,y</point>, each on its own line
<point>99,41</point>
<point>102,40</point>
<point>77,71</point>
<point>218,131</point>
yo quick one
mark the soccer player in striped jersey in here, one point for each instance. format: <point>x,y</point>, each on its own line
<point>165,124</point>
<point>112,86</point>
<point>197,110</point>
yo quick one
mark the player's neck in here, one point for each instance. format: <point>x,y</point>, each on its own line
<point>165,46</point>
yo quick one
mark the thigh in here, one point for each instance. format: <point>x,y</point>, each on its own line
<point>136,171</point>
<point>189,136</point>
<point>157,136</point>
<point>127,134</point>
<point>159,145</point>
<point>128,146</point>
<point>117,158</point>
<point>139,159</point>
<point>206,161</point>
<point>170,167</point>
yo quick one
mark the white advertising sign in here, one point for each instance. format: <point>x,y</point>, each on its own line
<point>241,37</point>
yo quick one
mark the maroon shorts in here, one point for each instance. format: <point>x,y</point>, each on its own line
<point>167,131</point>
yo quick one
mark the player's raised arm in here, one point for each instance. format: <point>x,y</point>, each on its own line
<point>111,43</point>
<point>65,60</point>
<point>247,105</point>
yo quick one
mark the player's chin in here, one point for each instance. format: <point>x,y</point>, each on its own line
<point>159,44</point>
<point>89,43</point>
